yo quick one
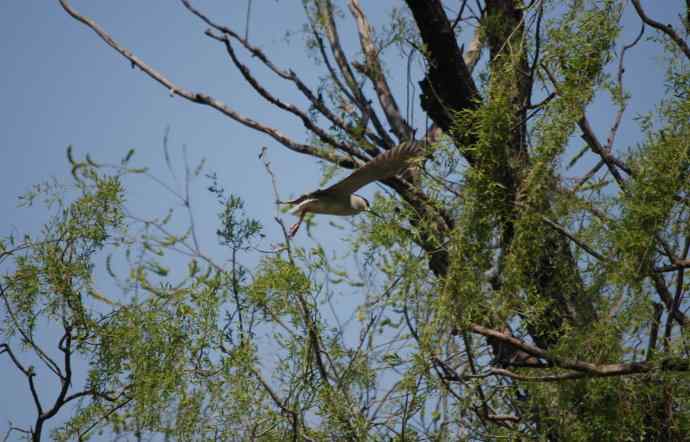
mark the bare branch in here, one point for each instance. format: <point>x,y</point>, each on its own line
<point>593,142</point>
<point>586,177</point>
<point>590,369</point>
<point>667,298</point>
<point>278,401</point>
<point>290,75</point>
<point>325,10</point>
<point>537,50</point>
<point>677,265</point>
<point>67,380</point>
<point>17,429</point>
<point>104,417</point>
<point>459,16</point>
<point>306,120</point>
<point>28,372</point>
<point>374,72</point>
<point>563,231</point>
<point>666,29</point>
<point>207,100</point>
<point>549,378</point>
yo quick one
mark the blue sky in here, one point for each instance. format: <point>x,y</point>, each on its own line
<point>61,85</point>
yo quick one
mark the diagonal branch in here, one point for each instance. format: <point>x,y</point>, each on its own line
<point>374,72</point>
<point>381,137</point>
<point>306,120</point>
<point>325,12</point>
<point>287,74</point>
<point>666,29</point>
<point>28,372</point>
<point>612,163</point>
<point>677,265</point>
<point>563,231</point>
<point>548,378</point>
<point>28,338</point>
<point>667,298</point>
<point>207,100</point>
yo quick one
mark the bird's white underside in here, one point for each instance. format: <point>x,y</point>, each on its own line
<point>342,205</point>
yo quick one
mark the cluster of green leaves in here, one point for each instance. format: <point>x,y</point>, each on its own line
<point>577,50</point>
<point>300,346</point>
<point>53,270</point>
<point>155,350</point>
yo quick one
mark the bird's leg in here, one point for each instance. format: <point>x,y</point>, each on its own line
<point>295,227</point>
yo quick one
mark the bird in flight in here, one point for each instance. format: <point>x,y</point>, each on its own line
<point>340,199</point>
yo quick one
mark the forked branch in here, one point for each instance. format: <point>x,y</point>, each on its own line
<point>315,100</point>
<point>201,98</point>
<point>666,29</point>
<point>374,72</point>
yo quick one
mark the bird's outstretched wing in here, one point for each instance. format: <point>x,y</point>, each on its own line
<point>383,166</point>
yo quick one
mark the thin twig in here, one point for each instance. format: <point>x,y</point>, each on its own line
<point>621,97</point>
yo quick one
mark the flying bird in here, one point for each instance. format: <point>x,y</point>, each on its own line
<point>340,199</point>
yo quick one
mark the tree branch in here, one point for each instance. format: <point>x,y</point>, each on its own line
<point>325,12</point>
<point>17,429</point>
<point>375,73</point>
<point>621,96</point>
<point>667,298</point>
<point>316,101</point>
<point>666,29</point>
<point>448,86</point>
<point>306,120</point>
<point>563,231</point>
<point>587,368</point>
<point>47,360</point>
<point>676,265</point>
<point>207,100</point>
<point>28,372</point>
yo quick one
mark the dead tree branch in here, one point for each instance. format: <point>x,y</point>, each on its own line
<point>374,72</point>
<point>207,100</point>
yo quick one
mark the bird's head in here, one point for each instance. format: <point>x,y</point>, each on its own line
<point>362,204</point>
<point>359,203</point>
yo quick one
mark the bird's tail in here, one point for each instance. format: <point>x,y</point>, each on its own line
<point>295,201</point>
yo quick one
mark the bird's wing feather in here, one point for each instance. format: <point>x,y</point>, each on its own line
<point>383,166</point>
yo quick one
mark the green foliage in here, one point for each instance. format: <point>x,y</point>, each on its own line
<point>275,342</point>
<point>662,166</point>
